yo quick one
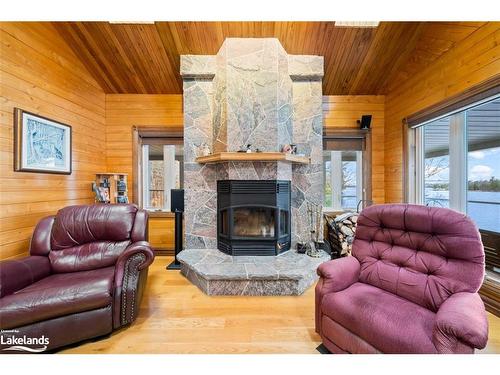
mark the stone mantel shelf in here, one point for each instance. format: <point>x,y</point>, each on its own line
<point>252,156</point>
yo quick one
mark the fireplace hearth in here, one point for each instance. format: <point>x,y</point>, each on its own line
<point>253,217</point>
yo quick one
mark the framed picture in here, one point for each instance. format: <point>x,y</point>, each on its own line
<point>40,144</point>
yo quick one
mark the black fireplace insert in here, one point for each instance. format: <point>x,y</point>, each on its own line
<point>253,217</point>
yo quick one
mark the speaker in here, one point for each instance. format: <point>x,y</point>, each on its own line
<point>177,200</point>
<point>177,206</point>
<point>365,122</point>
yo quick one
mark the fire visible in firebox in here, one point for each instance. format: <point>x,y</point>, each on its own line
<point>253,222</point>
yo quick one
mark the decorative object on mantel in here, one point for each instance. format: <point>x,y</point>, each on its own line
<point>202,150</point>
<point>248,149</point>
<point>206,150</point>
<point>111,188</point>
<point>252,156</point>
<point>340,231</point>
<point>289,149</point>
<point>314,213</point>
<point>41,144</point>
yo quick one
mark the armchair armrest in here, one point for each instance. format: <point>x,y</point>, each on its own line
<point>19,273</point>
<point>461,319</point>
<point>335,275</point>
<point>130,277</point>
<point>339,274</point>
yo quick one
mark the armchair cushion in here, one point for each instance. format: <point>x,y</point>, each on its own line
<point>76,225</point>
<point>19,273</point>
<point>57,295</point>
<point>94,236</point>
<point>389,323</point>
<point>87,257</point>
<point>461,319</point>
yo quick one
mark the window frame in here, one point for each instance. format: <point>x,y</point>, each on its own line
<point>414,148</point>
<point>473,96</point>
<point>142,135</point>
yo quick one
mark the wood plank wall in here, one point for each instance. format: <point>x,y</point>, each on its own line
<point>342,111</point>
<point>40,74</point>
<point>123,111</point>
<point>468,63</point>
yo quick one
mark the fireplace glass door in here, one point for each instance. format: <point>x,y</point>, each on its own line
<point>254,222</point>
<point>284,230</point>
<point>253,217</point>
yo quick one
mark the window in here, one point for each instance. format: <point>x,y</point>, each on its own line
<point>161,173</point>
<point>345,171</point>
<point>436,163</point>
<point>342,171</point>
<point>457,162</point>
<point>157,159</point>
<point>483,165</point>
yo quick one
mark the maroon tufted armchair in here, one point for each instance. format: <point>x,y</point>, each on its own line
<point>410,286</point>
<point>84,277</point>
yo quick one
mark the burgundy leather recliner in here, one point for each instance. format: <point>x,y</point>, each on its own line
<point>410,285</point>
<point>84,277</point>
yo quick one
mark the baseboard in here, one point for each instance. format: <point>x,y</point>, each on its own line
<point>164,252</point>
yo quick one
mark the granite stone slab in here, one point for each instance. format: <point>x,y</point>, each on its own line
<point>216,273</point>
<point>197,66</point>
<point>305,67</point>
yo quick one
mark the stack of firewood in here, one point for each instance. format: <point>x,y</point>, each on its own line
<point>340,231</point>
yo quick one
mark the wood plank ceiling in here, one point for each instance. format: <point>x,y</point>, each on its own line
<point>144,58</point>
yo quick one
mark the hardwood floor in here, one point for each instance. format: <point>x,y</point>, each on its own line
<point>176,317</point>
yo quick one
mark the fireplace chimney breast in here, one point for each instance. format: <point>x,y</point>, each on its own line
<point>251,92</point>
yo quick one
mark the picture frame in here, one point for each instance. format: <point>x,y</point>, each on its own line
<point>41,145</point>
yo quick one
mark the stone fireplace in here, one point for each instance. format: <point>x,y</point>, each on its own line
<point>253,217</point>
<point>251,92</point>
